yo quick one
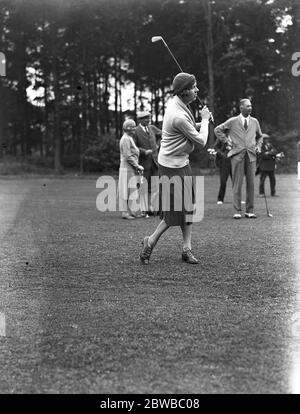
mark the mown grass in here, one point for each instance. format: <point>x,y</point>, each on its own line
<point>84,316</point>
<point>24,166</point>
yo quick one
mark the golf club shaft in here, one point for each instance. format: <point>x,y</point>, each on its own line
<point>267,208</point>
<point>173,57</point>
<point>181,70</point>
<point>157,38</point>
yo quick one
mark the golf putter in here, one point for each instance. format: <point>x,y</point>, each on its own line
<point>267,208</point>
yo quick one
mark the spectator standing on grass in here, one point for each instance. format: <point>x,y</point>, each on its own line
<point>224,165</point>
<point>145,138</point>
<point>243,134</point>
<point>266,165</point>
<point>179,133</point>
<point>129,173</point>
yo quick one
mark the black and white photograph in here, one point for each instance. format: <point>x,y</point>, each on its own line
<point>149,199</point>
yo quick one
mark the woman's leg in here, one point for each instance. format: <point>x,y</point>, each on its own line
<point>187,254</point>
<point>155,236</point>
<point>187,235</point>
<point>150,241</point>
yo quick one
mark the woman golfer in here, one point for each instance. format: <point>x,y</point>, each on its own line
<point>179,133</point>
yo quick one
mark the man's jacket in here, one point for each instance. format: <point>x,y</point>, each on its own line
<point>243,140</point>
<point>267,157</point>
<point>145,142</point>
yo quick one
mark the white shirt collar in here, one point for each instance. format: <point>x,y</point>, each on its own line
<point>144,127</point>
<point>243,118</point>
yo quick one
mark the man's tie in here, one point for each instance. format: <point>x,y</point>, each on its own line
<point>245,125</point>
<point>147,130</point>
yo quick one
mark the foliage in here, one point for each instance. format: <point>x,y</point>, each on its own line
<point>79,55</point>
<point>103,155</point>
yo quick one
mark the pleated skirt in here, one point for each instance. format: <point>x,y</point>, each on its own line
<point>176,195</point>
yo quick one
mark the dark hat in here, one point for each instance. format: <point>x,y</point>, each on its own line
<point>182,81</point>
<point>265,136</point>
<point>142,114</point>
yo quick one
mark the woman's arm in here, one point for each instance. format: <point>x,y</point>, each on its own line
<point>190,132</point>
<point>126,152</point>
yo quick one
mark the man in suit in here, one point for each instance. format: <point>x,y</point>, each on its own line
<point>243,134</point>
<point>146,140</point>
<point>267,162</point>
<point>224,164</point>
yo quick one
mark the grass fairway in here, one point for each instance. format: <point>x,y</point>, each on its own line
<point>83,316</point>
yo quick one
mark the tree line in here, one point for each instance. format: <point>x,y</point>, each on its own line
<point>79,56</point>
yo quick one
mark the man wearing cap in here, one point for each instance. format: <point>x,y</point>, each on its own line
<point>267,162</point>
<point>145,138</point>
<point>243,135</point>
<point>224,164</point>
<point>179,134</point>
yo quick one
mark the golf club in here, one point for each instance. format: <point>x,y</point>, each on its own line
<point>268,211</point>
<point>160,38</point>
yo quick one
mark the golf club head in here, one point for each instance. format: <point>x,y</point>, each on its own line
<point>270,215</point>
<point>156,39</point>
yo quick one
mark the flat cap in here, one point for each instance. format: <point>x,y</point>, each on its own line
<point>142,114</point>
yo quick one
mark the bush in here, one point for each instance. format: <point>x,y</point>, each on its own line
<point>287,143</point>
<point>103,155</point>
<point>71,161</point>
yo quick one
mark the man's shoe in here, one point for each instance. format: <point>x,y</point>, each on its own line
<point>188,257</point>
<point>274,195</point>
<point>146,251</point>
<point>250,215</point>
<point>261,195</point>
<point>219,202</point>
<point>237,216</point>
<point>144,215</point>
<point>128,216</point>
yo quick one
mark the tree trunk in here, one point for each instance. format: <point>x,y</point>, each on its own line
<point>156,101</point>
<point>56,129</point>
<point>83,118</point>
<point>163,99</point>
<point>105,104</point>
<point>135,96</point>
<point>210,56</point>
<point>95,105</point>
<point>210,68</point>
<point>1,119</point>
<point>116,97</point>
<point>120,105</point>
<point>46,77</point>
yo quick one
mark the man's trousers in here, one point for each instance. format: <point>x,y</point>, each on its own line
<point>263,176</point>
<point>241,167</point>
<point>225,171</point>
